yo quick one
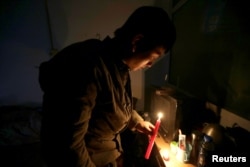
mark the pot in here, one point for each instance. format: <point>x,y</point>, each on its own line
<point>220,137</point>
<point>214,130</point>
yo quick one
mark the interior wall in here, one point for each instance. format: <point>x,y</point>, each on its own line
<point>228,119</point>
<point>24,43</point>
<point>25,39</point>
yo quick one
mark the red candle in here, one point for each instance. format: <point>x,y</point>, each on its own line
<point>152,138</point>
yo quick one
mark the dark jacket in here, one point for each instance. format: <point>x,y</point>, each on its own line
<point>87,102</point>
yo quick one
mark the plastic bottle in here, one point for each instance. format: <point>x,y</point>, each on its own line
<point>195,142</point>
<point>205,153</point>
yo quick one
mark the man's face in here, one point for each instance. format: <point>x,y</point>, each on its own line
<point>143,60</point>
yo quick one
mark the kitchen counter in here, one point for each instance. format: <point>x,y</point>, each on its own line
<point>162,146</point>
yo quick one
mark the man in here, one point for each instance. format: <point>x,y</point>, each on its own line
<point>87,98</point>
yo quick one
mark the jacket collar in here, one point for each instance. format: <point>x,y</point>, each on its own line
<point>114,54</point>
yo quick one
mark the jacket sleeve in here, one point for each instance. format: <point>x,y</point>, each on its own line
<point>135,119</point>
<point>80,122</point>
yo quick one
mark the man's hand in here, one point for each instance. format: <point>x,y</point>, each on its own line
<point>145,127</point>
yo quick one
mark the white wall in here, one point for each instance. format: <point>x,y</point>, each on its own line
<point>228,118</point>
<point>25,42</point>
<point>77,20</point>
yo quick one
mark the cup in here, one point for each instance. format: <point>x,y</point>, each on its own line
<point>173,147</point>
<point>165,154</point>
<point>184,155</point>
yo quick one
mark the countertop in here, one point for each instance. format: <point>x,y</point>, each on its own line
<point>164,147</point>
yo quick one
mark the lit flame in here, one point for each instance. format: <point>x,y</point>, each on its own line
<point>160,115</point>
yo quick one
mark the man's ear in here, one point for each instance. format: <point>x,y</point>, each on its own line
<point>135,40</point>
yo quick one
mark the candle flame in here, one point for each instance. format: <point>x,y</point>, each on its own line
<point>160,115</point>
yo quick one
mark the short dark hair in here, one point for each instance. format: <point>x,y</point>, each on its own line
<point>153,23</point>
